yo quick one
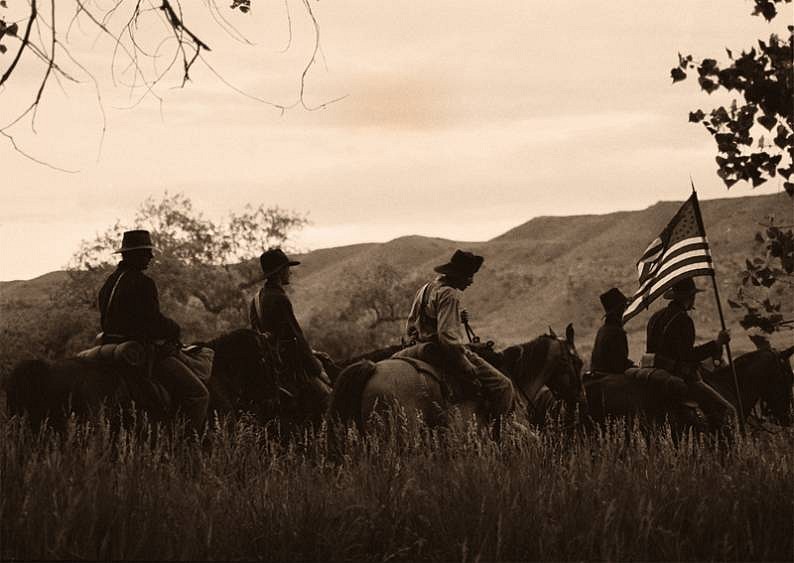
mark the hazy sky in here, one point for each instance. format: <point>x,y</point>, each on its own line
<point>462,120</point>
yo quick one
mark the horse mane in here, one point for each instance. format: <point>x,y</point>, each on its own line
<point>528,357</point>
<point>374,355</point>
<point>724,373</point>
<point>232,342</point>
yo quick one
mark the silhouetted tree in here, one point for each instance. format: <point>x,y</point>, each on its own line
<point>755,142</point>
<point>202,267</point>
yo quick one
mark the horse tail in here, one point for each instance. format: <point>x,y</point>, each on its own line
<point>348,392</point>
<point>25,388</point>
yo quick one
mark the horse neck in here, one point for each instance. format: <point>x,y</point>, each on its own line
<point>527,372</point>
<point>230,352</point>
<point>754,372</point>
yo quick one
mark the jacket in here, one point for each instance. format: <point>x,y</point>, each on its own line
<point>671,334</point>
<point>435,316</point>
<point>271,311</point>
<point>611,348</point>
<point>134,312</point>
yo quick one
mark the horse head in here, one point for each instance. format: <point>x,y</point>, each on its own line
<point>242,368</point>
<point>778,400</point>
<point>570,376</point>
<point>548,361</point>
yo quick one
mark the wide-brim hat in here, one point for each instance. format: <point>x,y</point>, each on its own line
<point>138,239</point>
<point>273,260</point>
<point>612,300</point>
<point>682,288</point>
<point>462,263</point>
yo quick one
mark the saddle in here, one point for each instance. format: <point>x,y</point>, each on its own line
<point>129,352</point>
<point>129,363</point>
<point>658,381</point>
<point>426,358</point>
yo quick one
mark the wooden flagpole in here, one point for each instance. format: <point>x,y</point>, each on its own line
<point>740,408</point>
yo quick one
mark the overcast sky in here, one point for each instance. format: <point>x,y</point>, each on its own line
<point>461,120</point>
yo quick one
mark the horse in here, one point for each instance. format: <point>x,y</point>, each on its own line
<point>764,377</point>
<point>334,367</point>
<point>243,380</point>
<point>545,365</point>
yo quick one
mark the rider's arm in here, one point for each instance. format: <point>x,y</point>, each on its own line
<point>253,318</point>
<point>413,318</point>
<point>286,314</point>
<point>684,342</point>
<point>158,326</point>
<point>623,352</point>
<point>448,318</point>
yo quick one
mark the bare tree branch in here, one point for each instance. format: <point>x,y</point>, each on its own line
<point>25,42</point>
<point>121,21</point>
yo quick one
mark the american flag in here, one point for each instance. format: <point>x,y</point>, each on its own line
<point>680,251</point>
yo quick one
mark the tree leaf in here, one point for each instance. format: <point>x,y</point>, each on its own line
<point>708,66</point>
<point>707,84</point>
<point>768,121</point>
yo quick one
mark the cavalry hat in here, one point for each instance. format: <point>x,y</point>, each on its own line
<point>135,240</point>
<point>462,263</point>
<point>683,288</point>
<point>273,260</point>
<point>613,299</point>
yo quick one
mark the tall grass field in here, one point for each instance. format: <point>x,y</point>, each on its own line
<point>241,494</point>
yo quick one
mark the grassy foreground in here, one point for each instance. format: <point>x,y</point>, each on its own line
<point>456,497</point>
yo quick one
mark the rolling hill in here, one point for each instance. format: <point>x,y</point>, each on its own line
<point>546,272</point>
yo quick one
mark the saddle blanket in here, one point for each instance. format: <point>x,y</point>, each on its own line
<point>658,380</point>
<point>197,359</point>
<point>129,352</point>
<point>424,358</point>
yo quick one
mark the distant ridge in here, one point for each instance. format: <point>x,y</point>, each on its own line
<point>547,271</point>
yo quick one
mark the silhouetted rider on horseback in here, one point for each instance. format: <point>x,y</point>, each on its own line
<point>611,348</point>
<point>130,310</point>
<point>671,337</point>
<point>435,324</point>
<point>271,313</point>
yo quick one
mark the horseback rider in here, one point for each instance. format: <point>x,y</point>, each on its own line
<point>671,337</point>
<point>271,313</point>
<point>130,310</point>
<point>611,348</point>
<point>435,324</point>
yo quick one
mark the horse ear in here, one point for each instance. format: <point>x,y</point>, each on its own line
<point>552,333</point>
<point>569,333</point>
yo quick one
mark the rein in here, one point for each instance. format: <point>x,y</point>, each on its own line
<point>521,366</point>
<point>523,393</point>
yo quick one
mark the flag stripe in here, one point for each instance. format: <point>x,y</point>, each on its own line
<point>654,248</point>
<point>664,283</point>
<point>636,307</point>
<point>686,242</point>
<point>680,251</point>
<point>687,265</point>
<point>665,267</point>
<point>682,261</point>
<point>680,247</point>
<point>653,284</point>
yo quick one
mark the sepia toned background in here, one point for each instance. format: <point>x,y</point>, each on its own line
<point>458,121</point>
